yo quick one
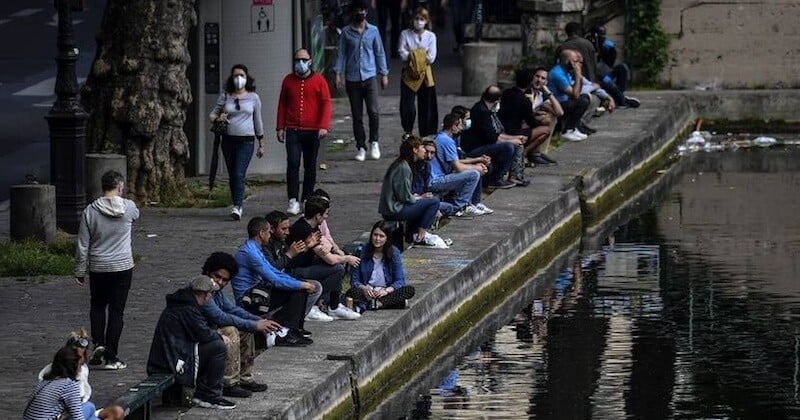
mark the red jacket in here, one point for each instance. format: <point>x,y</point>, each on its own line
<point>304,104</point>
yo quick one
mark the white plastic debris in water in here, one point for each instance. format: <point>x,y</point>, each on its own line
<point>151,235</point>
<point>695,138</point>
<point>713,147</point>
<point>764,141</point>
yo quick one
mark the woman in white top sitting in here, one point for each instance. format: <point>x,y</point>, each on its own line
<point>418,51</point>
<point>51,384</point>
<point>379,282</point>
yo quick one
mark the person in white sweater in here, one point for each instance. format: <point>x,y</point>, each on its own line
<point>104,249</point>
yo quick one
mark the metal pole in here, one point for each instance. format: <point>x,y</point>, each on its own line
<point>67,122</point>
<point>479,21</point>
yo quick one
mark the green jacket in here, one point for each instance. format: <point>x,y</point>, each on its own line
<point>396,190</point>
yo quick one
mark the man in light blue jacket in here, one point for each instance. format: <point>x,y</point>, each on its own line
<point>360,59</point>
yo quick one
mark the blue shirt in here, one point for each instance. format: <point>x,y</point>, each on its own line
<point>446,154</point>
<point>254,269</point>
<point>360,55</point>
<point>558,81</point>
<point>224,313</point>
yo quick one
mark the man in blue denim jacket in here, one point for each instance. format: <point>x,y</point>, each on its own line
<point>360,59</point>
<point>236,324</point>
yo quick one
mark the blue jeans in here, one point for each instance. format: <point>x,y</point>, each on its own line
<point>421,214</point>
<point>461,184</point>
<point>88,409</point>
<point>305,143</point>
<point>502,155</point>
<point>237,151</point>
<point>360,93</point>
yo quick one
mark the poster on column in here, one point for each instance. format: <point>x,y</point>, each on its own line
<point>262,16</point>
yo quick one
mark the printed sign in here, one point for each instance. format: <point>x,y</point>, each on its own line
<point>262,18</point>
<point>262,2</point>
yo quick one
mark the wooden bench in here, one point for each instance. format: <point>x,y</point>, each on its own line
<point>137,402</point>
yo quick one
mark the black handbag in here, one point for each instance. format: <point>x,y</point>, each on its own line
<point>219,127</point>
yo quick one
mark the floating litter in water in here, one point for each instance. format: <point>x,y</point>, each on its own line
<point>695,138</point>
<point>764,141</point>
<point>151,235</point>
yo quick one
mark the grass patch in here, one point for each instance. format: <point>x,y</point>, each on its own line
<point>198,195</point>
<point>34,258</point>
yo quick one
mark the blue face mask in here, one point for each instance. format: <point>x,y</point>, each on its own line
<point>301,67</point>
<point>467,124</point>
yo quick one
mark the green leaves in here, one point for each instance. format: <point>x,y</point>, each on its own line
<point>647,44</point>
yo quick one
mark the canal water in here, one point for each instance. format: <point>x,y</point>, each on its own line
<point>687,309</point>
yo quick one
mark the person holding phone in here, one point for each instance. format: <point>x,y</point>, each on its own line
<point>565,81</point>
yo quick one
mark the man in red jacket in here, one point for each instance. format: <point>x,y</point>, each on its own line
<point>304,116</point>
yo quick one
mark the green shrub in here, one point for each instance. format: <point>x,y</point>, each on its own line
<point>647,44</point>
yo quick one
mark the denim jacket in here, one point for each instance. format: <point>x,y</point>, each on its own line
<point>221,312</point>
<point>360,55</point>
<point>392,272</point>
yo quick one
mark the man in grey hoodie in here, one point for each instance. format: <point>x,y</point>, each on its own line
<point>104,246</point>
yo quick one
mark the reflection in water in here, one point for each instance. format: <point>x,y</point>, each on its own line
<point>689,311</point>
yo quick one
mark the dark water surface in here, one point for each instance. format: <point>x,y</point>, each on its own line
<point>689,310</point>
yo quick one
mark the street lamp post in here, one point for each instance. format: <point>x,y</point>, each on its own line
<point>67,122</point>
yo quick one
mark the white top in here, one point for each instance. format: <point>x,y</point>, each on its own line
<point>83,380</point>
<point>410,41</point>
<point>377,279</point>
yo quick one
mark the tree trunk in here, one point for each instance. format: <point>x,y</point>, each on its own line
<point>137,93</point>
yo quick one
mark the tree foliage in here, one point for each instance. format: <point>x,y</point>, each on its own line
<point>647,44</point>
<point>137,92</point>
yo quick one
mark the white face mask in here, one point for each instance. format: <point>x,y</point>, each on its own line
<point>239,82</point>
<point>419,24</point>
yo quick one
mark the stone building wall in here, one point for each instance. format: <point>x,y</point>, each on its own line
<point>732,44</point>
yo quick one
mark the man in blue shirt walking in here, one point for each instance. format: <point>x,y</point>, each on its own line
<point>359,61</point>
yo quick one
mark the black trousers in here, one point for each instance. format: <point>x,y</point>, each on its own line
<point>427,109</point>
<point>211,370</point>
<point>574,110</point>
<point>330,276</point>
<point>299,144</point>
<point>293,307</point>
<point>109,291</point>
<point>389,12</point>
<point>393,300</point>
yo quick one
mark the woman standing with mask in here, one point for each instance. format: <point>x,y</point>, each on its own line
<point>418,52</point>
<point>304,116</point>
<point>241,107</point>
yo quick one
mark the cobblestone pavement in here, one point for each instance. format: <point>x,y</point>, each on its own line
<point>170,246</point>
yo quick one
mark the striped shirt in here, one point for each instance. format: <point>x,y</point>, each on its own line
<point>51,398</point>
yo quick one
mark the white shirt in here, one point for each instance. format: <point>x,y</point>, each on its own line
<point>377,279</point>
<point>410,41</point>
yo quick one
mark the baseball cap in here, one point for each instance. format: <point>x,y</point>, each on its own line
<point>203,284</point>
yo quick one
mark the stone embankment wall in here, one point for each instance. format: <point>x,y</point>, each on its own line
<point>732,44</point>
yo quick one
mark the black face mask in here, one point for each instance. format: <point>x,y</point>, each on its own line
<point>359,17</point>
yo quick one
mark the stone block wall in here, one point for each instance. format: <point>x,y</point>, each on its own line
<point>738,44</point>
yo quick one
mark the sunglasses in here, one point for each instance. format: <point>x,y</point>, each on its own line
<point>236,103</point>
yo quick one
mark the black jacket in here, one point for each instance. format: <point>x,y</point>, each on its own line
<point>482,132</point>
<point>179,330</point>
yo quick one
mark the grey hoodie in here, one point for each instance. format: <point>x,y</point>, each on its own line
<point>104,236</point>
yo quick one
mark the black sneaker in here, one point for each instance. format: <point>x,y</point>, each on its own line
<point>97,356</point>
<point>236,392</point>
<point>292,339</point>
<point>632,102</point>
<point>503,185</point>
<point>548,159</point>
<point>253,386</point>
<point>217,403</point>
<point>305,333</point>
<point>586,129</point>
<point>115,364</point>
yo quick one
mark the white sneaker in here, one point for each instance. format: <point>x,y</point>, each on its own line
<point>343,312</point>
<point>573,135</point>
<point>375,151</point>
<point>316,315</point>
<point>482,207</point>
<point>294,207</point>
<point>236,213</point>
<point>471,210</point>
<point>361,154</point>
